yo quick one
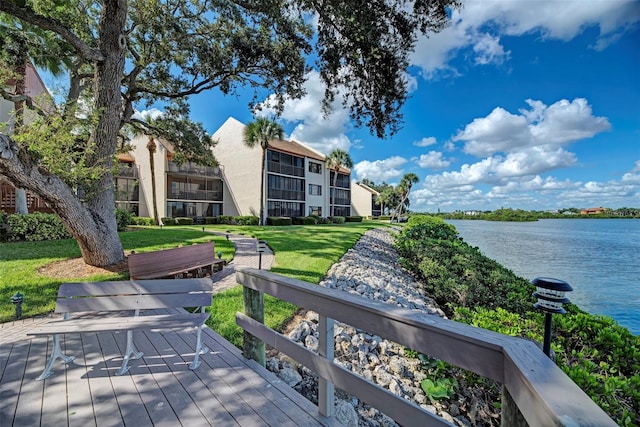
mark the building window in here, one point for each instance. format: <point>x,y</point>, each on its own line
<point>343,180</point>
<point>193,209</point>
<point>315,210</point>
<point>315,167</point>
<point>285,188</point>
<point>287,209</point>
<point>284,164</point>
<point>315,190</point>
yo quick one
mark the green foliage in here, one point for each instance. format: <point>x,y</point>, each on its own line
<point>279,221</point>
<point>226,219</point>
<point>184,221</point>
<point>602,357</point>
<point>353,218</point>
<point>441,388</point>
<point>124,218</point>
<point>305,220</point>
<point>247,220</point>
<point>168,221</point>
<point>210,220</point>
<point>337,219</point>
<point>35,227</point>
<point>141,220</point>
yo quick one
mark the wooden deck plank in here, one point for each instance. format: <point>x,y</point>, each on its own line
<point>11,381</point>
<point>28,410</point>
<point>54,396</point>
<point>220,392</point>
<point>269,411</point>
<point>158,359</point>
<point>105,405</point>
<point>132,409</point>
<point>279,391</point>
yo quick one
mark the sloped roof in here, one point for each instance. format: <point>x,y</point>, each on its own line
<point>369,189</point>
<point>295,147</point>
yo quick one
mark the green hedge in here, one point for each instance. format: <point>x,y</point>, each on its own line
<point>247,220</point>
<point>599,355</point>
<point>141,220</point>
<point>337,219</point>
<point>184,221</point>
<point>36,226</point>
<point>210,220</point>
<point>278,221</point>
<point>226,219</point>
<point>124,218</point>
<point>168,221</point>
<point>305,220</point>
<point>353,218</point>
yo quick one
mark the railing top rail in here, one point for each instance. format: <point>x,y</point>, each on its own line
<point>542,392</point>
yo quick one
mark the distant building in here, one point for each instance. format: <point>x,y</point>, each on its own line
<point>363,200</point>
<point>592,211</point>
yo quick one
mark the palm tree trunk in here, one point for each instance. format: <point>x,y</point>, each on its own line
<point>21,195</point>
<point>264,156</point>
<point>335,182</point>
<point>152,165</point>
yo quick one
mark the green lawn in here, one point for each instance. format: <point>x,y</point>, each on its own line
<point>302,252</point>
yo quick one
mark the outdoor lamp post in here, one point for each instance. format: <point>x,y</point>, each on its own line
<point>17,299</point>
<point>551,295</point>
<point>219,254</point>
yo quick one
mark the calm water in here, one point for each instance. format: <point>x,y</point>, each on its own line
<point>600,258</point>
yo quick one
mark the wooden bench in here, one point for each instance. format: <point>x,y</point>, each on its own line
<point>194,261</point>
<point>117,306</point>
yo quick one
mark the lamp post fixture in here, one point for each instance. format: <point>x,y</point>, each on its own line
<point>17,299</point>
<point>551,295</point>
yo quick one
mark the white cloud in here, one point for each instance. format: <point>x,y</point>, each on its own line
<point>380,170</point>
<point>431,160</point>
<point>153,113</point>
<point>323,133</point>
<point>558,124</point>
<point>425,142</point>
<point>478,25</point>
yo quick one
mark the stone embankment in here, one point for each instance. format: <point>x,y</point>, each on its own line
<point>370,269</point>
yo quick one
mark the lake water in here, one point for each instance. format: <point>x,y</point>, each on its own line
<point>599,258</point>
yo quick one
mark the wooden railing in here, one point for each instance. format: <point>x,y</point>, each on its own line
<point>535,391</point>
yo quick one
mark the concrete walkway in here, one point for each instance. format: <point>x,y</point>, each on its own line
<point>246,256</point>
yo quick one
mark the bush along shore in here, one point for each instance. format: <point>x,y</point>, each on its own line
<point>428,267</point>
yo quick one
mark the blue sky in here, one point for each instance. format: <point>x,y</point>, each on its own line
<point>529,104</point>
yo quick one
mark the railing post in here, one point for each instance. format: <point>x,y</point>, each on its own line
<point>326,345</point>
<point>510,414</point>
<point>252,347</point>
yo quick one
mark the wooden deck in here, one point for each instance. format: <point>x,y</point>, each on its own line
<point>226,390</point>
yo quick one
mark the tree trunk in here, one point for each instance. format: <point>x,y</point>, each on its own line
<point>333,202</point>
<point>152,165</point>
<point>21,201</point>
<point>264,156</point>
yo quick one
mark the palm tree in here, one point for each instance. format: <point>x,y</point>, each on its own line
<point>337,159</point>
<point>152,147</point>
<point>384,198</point>
<point>404,189</point>
<point>259,133</point>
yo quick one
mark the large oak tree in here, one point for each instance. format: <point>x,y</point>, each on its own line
<point>128,53</point>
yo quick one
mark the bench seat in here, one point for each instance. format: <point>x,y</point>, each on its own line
<point>117,306</point>
<point>195,260</point>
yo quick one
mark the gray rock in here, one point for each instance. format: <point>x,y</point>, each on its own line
<point>290,376</point>
<point>346,414</point>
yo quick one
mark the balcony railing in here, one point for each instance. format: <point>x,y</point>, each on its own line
<point>534,388</point>
<point>126,172</point>
<point>277,167</point>
<point>339,201</point>
<point>215,196</point>
<point>273,193</point>
<point>194,169</point>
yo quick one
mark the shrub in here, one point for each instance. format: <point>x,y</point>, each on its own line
<point>36,227</point>
<point>304,220</point>
<point>184,221</point>
<point>226,219</point>
<point>279,221</point>
<point>141,220</point>
<point>353,218</point>
<point>337,219</point>
<point>123,219</point>
<point>322,220</point>
<point>247,220</point>
<point>168,221</point>
<point>384,217</point>
<point>210,220</point>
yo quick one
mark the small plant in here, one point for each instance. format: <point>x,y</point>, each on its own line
<point>442,388</point>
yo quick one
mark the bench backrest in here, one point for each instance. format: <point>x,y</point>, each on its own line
<point>131,295</point>
<point>170,260</point>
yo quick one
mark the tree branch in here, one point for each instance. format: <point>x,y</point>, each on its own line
<point>28,15</point>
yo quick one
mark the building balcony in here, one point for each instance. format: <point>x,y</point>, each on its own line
<point>126,172</point>
<point>277,167</point>
<point>212,196</point>
<point>194,169</point>
<point>273,193</point>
